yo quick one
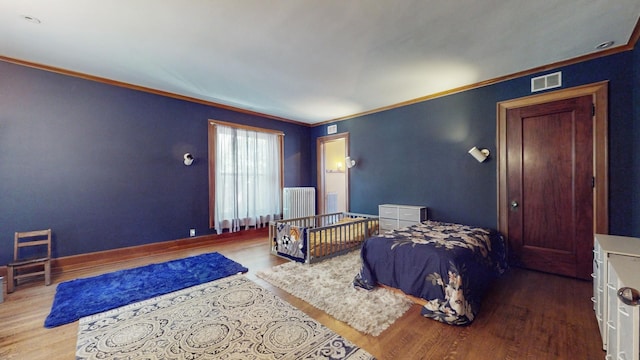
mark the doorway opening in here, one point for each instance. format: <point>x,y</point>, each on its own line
<point>333,174</point>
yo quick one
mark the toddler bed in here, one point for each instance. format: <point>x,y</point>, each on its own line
<point>448,267</point>
<point>314,238</point>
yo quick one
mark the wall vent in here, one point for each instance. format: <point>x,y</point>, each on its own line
<point>545,82</point>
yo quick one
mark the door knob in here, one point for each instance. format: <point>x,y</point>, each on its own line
<point>629,296</point>
<point>514,205</point>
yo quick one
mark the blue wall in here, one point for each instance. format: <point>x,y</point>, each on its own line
<point>417,154</point>
<point>636,142</point>
<point>102,165</point>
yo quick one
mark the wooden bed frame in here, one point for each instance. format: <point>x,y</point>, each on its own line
<point>323,236</point>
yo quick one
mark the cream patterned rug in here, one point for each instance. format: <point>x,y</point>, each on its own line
<point>327,285</point>
<point>231,318</point>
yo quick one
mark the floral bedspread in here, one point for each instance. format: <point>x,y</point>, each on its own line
<point>449,265</point>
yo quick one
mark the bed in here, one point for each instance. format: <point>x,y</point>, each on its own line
<point>447,267</point>
<point>314,238</point>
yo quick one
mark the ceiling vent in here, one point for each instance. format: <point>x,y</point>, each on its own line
<point>545,82</point>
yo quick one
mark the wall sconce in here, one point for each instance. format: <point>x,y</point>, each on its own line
<point>188,159</point>
<point>479,154</point>
<point>350,163</point>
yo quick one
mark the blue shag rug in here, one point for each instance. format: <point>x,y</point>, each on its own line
<point>82,297</point>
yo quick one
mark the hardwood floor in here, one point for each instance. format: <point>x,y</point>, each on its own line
<point>526,315</point>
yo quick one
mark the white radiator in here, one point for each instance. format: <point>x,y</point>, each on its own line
<point>298,202</point>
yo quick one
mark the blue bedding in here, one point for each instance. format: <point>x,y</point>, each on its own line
<point>448,265</point>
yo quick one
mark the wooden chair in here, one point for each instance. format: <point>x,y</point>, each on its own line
<point>31,252</point>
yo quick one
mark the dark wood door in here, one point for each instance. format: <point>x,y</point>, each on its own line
<point>550,186</point>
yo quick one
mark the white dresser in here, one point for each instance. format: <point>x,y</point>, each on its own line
<point>393,216</point>
<point>604,247</point>
<point>623,321</point>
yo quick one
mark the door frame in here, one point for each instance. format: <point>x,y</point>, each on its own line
<point>599,92</point>
<point>320,143</point>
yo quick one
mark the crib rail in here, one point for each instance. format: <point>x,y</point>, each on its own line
<point>327,235</point>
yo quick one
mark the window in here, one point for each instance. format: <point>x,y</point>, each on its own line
<point>245,175</point>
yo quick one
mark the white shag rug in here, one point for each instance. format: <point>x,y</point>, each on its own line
<point>328,285</point>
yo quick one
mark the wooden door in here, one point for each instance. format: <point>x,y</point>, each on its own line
<point>550,180</point>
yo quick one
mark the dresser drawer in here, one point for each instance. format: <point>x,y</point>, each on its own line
<point>608,248</point>
<point>387,224</point>
<point>623,322</point>
<point>627,318</point>
<point>393,216</point>
<point>414,214</point>
<point>406,223</point>
<point>387,211</point>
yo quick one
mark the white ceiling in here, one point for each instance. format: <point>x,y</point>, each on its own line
<point>309,60</point>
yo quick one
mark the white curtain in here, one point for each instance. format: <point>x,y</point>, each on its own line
<point>247,180</point>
